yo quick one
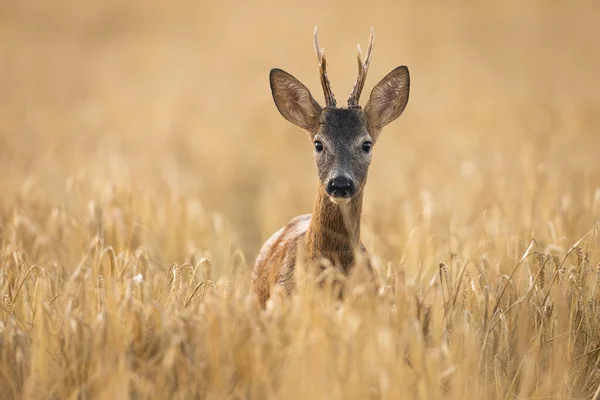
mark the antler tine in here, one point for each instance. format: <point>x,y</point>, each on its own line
<point>363,68</point>
<point>316,43</point>
<point>329,97</point>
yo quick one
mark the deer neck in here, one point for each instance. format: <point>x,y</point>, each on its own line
<point>334,230</point>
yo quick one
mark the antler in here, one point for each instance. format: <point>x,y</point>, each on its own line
<point>363,68</point>
<point>329,98</point>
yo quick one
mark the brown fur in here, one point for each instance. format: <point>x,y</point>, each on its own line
<point>322,234</point>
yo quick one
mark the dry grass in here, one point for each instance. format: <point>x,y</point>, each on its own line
<point>143,164</point>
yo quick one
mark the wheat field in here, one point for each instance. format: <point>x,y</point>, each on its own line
<point>143,163</point>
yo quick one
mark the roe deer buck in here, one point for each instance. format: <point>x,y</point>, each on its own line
<point>343,139</point>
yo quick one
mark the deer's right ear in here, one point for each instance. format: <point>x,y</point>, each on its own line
<point>388,98</point>
<point>293,100</point>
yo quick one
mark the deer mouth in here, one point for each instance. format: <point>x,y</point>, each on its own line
<point>339,200</point>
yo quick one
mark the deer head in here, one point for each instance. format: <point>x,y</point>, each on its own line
<point>343,138</point>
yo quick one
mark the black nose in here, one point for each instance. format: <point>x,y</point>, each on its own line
<point>340,186</point>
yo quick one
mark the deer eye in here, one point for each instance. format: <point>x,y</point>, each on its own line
<point>366,146</point>
<point>318,146</point>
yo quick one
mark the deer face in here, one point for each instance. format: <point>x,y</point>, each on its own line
<point>342,151</point>
<point>343,138</point>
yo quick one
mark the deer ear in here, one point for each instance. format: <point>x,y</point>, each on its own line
<point>293,100</point>
<point>388,98</point>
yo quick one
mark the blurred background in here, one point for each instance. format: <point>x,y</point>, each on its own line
<point>172,100</point>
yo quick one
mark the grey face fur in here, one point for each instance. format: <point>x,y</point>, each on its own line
<point>343,134</point>
<point>340,135</point>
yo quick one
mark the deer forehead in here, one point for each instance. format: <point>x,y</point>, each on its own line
<point>343,125</point>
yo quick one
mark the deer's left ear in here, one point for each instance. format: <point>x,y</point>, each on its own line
<point>293,100</point>
<point>388,98</point>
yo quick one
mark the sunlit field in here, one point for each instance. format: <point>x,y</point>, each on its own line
<point>143,163</point>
